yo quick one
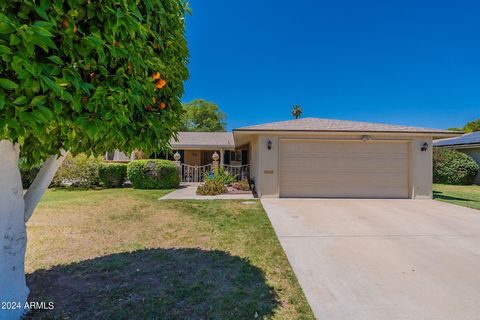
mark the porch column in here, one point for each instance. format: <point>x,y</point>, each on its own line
<point>222,157</point>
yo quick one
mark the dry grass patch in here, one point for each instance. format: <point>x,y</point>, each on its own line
<point>122,254</point>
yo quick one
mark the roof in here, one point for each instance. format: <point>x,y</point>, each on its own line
<point>467,140</point>
<point>203,140</point>
<point>327,125</point>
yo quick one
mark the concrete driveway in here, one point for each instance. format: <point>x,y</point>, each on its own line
<point>382,259</point>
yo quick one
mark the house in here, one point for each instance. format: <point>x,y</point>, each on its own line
<point>468,144</point>
<point>313,157</point>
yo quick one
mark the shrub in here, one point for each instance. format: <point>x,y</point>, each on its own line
<point>211,188</point>
<point>28,172</point>
<point>153,174</point>
<point>79,171</point>
<point>453,167</point>
<point>112,175</point>
<point>221,176</point>
<point>243,185</point>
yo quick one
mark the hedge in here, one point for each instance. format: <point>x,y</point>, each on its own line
<point>112,175</point>
<point>78,171</point>
<point>453,167</point>
<point>153,174</point>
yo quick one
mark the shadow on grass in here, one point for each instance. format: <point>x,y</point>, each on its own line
<point>154,284</point>
<point>439,195</point>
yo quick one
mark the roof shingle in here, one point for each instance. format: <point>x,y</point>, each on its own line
<point>317,124</point>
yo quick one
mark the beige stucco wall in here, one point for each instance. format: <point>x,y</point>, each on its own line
<point>266,164</point>
<point>475,154</point>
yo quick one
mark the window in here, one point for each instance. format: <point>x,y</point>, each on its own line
<point>236,156</point>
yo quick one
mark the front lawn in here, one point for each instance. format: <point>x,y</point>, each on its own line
<point>467,196</point>
<point>122,254</point>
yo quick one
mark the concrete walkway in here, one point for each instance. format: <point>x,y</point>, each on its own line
<point>382,259</point>
<point>187,191</point>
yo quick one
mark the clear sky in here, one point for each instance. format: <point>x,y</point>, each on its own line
<point>412,62</point>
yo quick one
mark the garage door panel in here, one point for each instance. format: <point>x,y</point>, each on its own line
<point>335,169</point>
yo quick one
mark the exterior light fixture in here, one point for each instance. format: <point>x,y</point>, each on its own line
<point>269,145</point>
<point>177,156</point>
<point>424,147</point>
<point>366,138</point>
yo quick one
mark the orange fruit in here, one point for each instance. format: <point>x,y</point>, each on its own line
<point>160,84</point>
<point>65,23</point>
<point>75,29</point>
<point>149,108</point>
<point>163,105</point>
<point>154,100</point>
<point>156,76</point>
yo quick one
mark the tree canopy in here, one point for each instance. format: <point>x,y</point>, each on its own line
<point>471,126</point>
<point>201,115</point>
<point>91,75</point>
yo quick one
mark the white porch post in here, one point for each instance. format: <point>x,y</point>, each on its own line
<point>222,157</point>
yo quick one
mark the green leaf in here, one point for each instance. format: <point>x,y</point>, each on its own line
<point>40,10</point>
<point>52,85</point>
<point>20,101</point>
<point>5,50</point>
<point>56,59</point>
<point>6,28</point>
<point>46,112</point>
<point>2,101</point>
<point>38,101</point>
<point>91,131</point>
<point>14,40</point>
<point>8,84</point>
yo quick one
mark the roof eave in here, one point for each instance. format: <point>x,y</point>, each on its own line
<point>435,134</point>
<point>201,147</point>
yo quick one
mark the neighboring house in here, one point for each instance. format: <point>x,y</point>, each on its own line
<point>468,144</point>
<point>118,156</point>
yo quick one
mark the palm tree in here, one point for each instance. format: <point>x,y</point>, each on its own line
<point>296,111</point>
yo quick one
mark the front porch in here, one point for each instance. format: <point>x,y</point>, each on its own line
<point>195,164</point>
<point>197,151</point>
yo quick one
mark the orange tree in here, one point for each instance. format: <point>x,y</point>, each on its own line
<point>82,76</point>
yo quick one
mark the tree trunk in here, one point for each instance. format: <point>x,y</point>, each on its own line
<point>13,235</point>
<point>15,210</point>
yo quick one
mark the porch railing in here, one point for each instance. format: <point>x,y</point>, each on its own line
<point>190,173</point>
<point>240,172</point>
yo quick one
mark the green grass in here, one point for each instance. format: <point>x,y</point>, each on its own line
<point>122,254</point>
<point>467,196</point>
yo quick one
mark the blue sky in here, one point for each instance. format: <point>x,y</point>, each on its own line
<point>411,62</point>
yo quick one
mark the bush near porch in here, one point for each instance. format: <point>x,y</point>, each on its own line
<point>153,174</point>
<point>219,182</point>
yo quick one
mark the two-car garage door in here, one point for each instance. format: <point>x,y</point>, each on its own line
<point>313,168</point>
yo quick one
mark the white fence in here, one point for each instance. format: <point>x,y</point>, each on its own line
<point>190,173</point>
<point>193,173</point>
<point>240,172</point>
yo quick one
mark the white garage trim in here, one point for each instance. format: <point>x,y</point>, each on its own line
<point>344,168</point>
